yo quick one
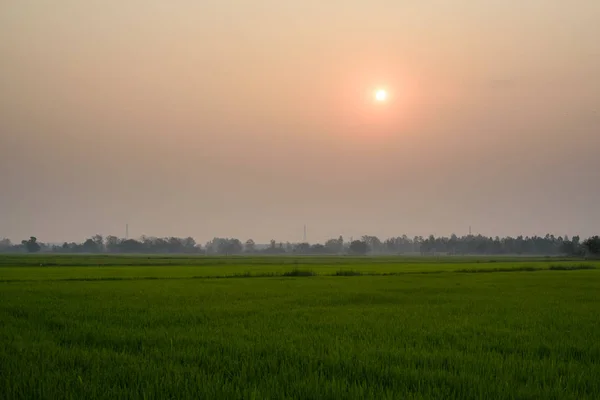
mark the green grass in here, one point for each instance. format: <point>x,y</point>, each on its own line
<point>348,272</point>
<point>181,267</point>
<point>514,334</point>
<point>53,260</point>
<point>299,272</point>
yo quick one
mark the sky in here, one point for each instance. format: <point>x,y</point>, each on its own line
<point>251,119</point>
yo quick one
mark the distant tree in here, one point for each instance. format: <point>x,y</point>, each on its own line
<point>225,246</point>
<point>428,246</point>
<point>334,246</point>
<point>302,248</point>
<point>99,242</point>
<point>190,245</point>
<point>234,246</point>
<point>373,242</point>
<point>571,248</point>
<point>275,248</point>
<point>112,244</point>
<point>400,244</point>
<point>317,249</point>
<point>90,246</point>
<point>417,243</point>
<point>174,245</point>
<point>468,244</point>
<point>131,246</point>
<point>5,244</point>
<point>391,245</point>
<point>31,245</point>
<point>592,245</point>
<point>249,246</point>
<point>359,247</point>
<point>453,243</point>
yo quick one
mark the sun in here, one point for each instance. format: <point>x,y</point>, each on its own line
<point>381,95</point>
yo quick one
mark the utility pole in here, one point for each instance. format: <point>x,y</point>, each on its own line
<point>126,231</point>
<point>304,233</point>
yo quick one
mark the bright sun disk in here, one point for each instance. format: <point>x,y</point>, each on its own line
<point>381,95</point>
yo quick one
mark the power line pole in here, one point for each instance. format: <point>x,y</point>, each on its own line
<point>126,231</point>
<point>304,233</point>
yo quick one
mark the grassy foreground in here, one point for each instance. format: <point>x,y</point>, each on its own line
<point>529,334</point>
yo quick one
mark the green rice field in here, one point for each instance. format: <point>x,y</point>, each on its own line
<point>133,327</point>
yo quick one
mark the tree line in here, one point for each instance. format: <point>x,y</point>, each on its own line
<point>452,245</point>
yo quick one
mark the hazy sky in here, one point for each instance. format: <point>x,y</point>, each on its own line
<point>252,118</point>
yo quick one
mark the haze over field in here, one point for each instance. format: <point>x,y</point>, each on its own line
<point>251,119</point>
